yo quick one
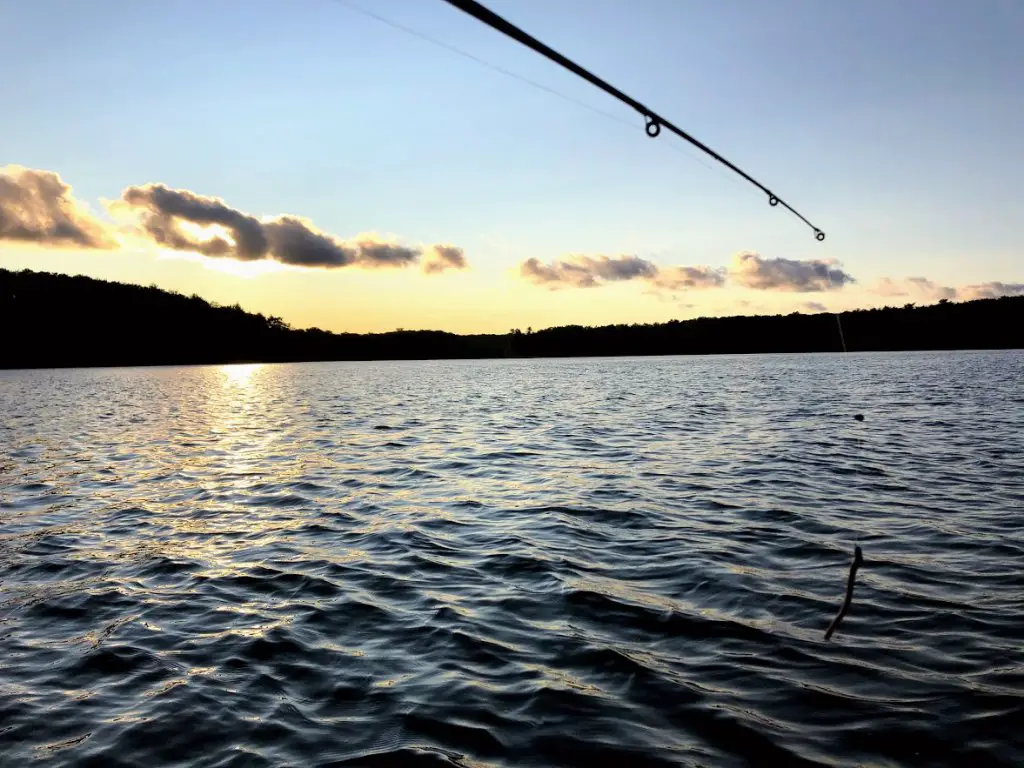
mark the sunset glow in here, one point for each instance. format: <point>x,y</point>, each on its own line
<point>503,206</point>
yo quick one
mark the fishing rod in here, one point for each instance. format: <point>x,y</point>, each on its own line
<point>654,121</point>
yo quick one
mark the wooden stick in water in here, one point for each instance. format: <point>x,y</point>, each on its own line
<point>858,559</point>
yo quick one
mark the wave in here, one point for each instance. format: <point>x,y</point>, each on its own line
<point>559,564</point>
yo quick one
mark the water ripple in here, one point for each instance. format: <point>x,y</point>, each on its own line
<point>509,563</point>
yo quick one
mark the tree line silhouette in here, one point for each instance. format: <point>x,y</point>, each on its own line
<point>53,320</point>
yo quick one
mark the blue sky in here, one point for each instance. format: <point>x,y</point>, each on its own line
<point>897,127</point>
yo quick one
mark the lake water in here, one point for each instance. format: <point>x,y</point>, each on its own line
<point>514,563</point>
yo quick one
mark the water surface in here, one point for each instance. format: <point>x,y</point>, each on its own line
<point>514,563</point>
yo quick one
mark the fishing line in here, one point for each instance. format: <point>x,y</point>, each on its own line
<point>482,62</point>
<point>858,556</point>
<point>528,81</point>
<point>842,337</point>
<point>839,322</point>
<point>653,121</point>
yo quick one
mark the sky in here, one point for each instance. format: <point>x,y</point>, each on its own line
<point>307,160</point>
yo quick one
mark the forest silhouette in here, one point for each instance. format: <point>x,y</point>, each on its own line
<point>53,320</point>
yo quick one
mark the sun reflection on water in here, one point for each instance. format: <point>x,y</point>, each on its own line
<point>239,375</point>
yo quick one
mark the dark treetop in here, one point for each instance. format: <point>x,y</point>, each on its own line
<point>51,320</point>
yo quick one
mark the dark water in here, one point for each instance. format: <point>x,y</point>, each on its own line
<point>514,563</point>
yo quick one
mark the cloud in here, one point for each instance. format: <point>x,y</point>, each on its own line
<point>748,270</point>
<point>587,271</point>
<point>621,267</point>
<point>924,289</point>
<point>991,290</point>
<point>164,211</point>
<point>592,271</point>
<point>886,286</point>
<point>380,253</point>
<point>292,240</point>
<point>556,273</point>
<point>185,221</point>
<point>440,258</point>
<point>38,207</point>
<point>674,278</point>
<point>751,270</point>
<point>921,287</point>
